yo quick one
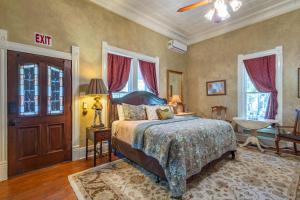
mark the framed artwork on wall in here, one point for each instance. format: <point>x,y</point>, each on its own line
<point>216,88</point>
<point>298,82</point>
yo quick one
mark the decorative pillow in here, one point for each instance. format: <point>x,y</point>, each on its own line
<point>167,107</point>
<point>132,112</point>
<point>120,112</point>
<point>164,114</point>
<point>151,112</point>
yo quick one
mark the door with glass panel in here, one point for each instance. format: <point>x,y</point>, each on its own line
<point>39,97</point>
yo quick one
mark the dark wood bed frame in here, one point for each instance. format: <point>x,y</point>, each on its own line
<point>139,157</point>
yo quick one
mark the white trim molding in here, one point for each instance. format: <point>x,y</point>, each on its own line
<point>106,48</point>
<point>35,50</point>
<point>164,26</point>
<point>278,51</point>
<point>280,8</point>
<point>81,151</point>
<point>74,56</point>
<point>122,9</point>
<point>3,106</point>
<point>75,101</point>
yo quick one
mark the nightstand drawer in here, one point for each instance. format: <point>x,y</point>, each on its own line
<point>101,135</point>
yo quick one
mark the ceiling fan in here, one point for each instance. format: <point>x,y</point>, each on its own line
<point>219,12</point>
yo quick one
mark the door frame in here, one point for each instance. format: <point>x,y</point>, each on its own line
<point>73,56</point>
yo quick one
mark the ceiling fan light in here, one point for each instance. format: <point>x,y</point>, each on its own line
<point>219,4</point>
<point>235,5</point>
<point>209,15</point>
<point>221,8</point>
<point>223,13</point>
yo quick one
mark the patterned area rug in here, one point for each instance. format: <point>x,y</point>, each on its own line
<point>253,175</point>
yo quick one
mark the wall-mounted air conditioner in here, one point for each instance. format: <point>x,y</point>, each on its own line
<point>177,46</point>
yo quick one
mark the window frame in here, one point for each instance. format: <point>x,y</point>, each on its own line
<point>106,48</point>
<point>241,80</point>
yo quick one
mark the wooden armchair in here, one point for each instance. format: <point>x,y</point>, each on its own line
<point>293,136</point>
<point>219,112</point>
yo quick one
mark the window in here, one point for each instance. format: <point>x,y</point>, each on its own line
<point>256,102</point>
<point>252,104</point>
<point>135,81</point>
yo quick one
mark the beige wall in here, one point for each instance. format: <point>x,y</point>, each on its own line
<point>81,23</point>
<point>216,59</point>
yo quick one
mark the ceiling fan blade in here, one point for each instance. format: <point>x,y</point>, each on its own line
<point>195,5</point>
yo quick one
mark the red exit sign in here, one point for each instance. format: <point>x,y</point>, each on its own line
<point>43,39</point>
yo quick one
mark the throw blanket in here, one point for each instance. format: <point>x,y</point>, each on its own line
<point>184,146</point>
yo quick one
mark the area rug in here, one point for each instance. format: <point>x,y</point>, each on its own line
<point>252,176</point>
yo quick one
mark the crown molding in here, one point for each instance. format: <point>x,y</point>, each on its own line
<point>120,8</point>
<point>262,15</point>
<point>137,16</point>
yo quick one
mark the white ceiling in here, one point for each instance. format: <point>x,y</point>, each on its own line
<point>191,27</point>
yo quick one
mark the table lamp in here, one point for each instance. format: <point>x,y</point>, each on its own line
<point>177,104</point>
<point>97,88</point>
<point>175,100</point>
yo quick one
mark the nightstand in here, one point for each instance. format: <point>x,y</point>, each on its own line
<point>98,135</point>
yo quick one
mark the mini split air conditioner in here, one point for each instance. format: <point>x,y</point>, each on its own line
<point>177,46</point>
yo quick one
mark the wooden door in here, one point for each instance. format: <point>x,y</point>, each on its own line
<point>39,96</point>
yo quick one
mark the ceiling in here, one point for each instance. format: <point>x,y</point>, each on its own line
<point>191,27</point>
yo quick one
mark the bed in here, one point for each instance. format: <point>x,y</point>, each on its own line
<point>173,150</point>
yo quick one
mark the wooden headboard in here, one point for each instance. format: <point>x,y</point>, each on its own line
<point>134,98</point>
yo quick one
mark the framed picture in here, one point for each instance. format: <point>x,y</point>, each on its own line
<point>215,88</point>
<point>298,82</point>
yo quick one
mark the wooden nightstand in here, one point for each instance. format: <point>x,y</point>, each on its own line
<point>98,135</point>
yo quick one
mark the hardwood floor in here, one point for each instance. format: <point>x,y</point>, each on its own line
<point>49,183</point>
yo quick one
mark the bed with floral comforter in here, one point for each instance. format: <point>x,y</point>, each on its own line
<point>184,146</point>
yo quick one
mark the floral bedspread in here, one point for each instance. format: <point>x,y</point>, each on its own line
<point>184,146</point>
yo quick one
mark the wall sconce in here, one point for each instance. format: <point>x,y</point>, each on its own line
<point>84,108</point>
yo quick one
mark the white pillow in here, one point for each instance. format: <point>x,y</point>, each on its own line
<point>120,112</point>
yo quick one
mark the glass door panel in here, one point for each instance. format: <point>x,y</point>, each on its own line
<point>28,90</point>
<point>55,91</point>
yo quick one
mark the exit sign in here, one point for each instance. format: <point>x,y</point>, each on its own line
<point>43,39</point>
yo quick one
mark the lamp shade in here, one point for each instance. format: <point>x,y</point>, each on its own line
<point>175,99</point>
<point>96,87</point>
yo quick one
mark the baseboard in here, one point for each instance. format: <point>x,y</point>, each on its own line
<point>79,152</point>
<point>3,171</point>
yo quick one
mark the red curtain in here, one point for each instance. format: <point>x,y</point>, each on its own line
<point>149,75</point>
<point>262,72</point>
<point>118,68</point>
